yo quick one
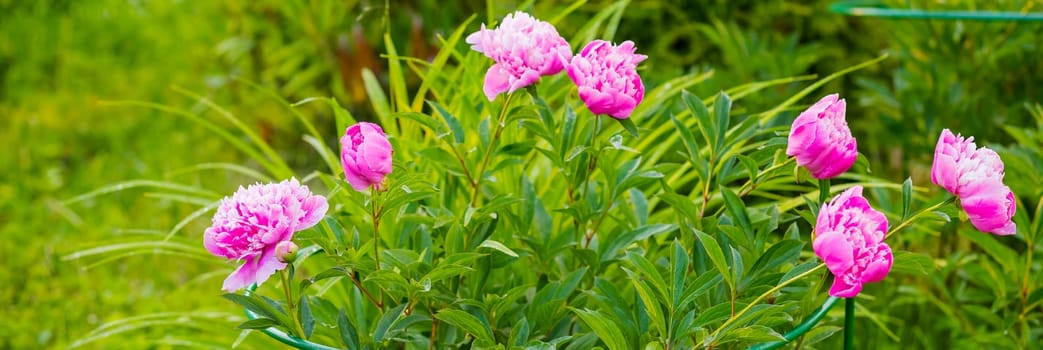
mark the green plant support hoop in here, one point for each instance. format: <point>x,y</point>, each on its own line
<point>281,336</point>
<point>802,328</point>
<point>879,9</point>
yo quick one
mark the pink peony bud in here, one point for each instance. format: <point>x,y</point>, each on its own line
<point>821,140</point>
<point>365,154</point>
<point>607,78</point>
<point>850,240</point>
<point>975,175</point>
<point>524,48</point>
<point>251,223</point>
<point>286,251</point>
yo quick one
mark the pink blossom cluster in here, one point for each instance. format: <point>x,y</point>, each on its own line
<point>850,233</point>
<point>525,48</point>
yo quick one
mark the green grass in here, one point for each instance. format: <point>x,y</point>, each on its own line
<point>59,62</point>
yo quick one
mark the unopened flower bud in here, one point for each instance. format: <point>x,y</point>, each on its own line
<point>286,251</point>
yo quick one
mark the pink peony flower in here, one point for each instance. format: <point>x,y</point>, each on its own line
<point>524,48</point>
<point>850,240</point>
<point>365,154</point>
<point>975,175</point>
<point>821,140</point>
<point>249,225</point>
<point>607,78</point>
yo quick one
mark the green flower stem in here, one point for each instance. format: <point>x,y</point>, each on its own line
<point>358,284</point>
<point>905,223</point>
<point>591,166</point>
<point>376,211</point>
<point>823,191</point>
<point>289,302</point>
<point>802,328</point>
<point>774,290</point>
<point>499,126</point>
<point>849,323</point>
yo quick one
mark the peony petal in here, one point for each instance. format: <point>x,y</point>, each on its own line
<point>841,289</point>
<point>497,80</point>
<point>835,251</point>
<point>315,208</point>
<point>878,268</point>
<point>525,79</point>
<point>989,206</point>
<point>374,157</point>
<point>255,270</point>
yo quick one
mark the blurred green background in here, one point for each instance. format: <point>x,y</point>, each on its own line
<point>63,63</point>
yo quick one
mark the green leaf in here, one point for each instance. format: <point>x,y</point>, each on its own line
<point>754,333</point>
<point>259,306</point>
<point>491,244</point>
<point>690,146</point>
<point>782,252</point>
<point>402,198</point>
<point>1003,254</point>
<point>396,76</point>
<point>376,96</point>
<point>389,318</point>
<point>451,121</point>
<point>629,126</point>
<point>483,133</point>
<point>701,285</point>
<point>651,303</point>
<point>702,116</point>
<point>519,333</point>
<point>681,205</point>
<point>613,246</point>
<point>568,131</point>
<point>258,323</point>
<point>306,318</point>
<point>518,148</point>
<point>678,271</point>
<point>713,249</point>
<point>750,164</point>
<point>912,263</point>
<point>650,273</point>
<point>722,110</point>
<point>466,322</point>
<point>907,196</point>
<point>607,330</point>
<point>737,209</point>
<point>347,331</point>
<point>427,121</point>
<point>341,116</point>
<point>820,333</point>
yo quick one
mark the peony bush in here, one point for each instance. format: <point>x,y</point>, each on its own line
<point>526,197</point>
